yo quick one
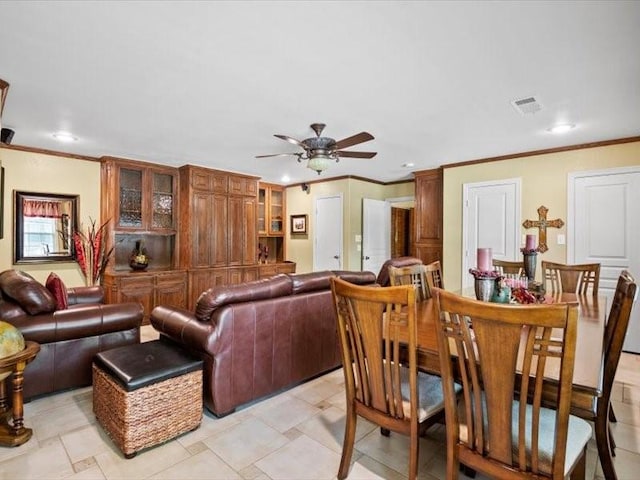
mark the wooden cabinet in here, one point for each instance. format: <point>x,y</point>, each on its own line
<point>218,228</point>
<point>139,199</point>
<point>428,215</point>
<point>271,210</point>
<point>147,288</point>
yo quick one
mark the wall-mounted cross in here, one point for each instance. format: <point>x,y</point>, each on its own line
<point>541,224</point>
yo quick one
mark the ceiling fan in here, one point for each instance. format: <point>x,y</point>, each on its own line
<point>320,151</point>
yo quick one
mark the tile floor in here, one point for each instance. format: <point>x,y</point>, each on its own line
<point>295,435</point>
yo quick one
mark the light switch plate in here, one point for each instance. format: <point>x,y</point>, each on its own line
<point>358,238</point>
<point>561,239</point>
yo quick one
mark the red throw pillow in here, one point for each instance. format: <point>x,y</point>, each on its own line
<point>55,285</point>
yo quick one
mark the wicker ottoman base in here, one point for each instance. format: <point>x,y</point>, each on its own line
<point>149,415</point>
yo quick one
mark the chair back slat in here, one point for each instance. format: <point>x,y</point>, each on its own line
<point>501,352</point>
<point>369,322</point>
<point>579,279</point>
<point>433,272</point>
<point>414,275</point>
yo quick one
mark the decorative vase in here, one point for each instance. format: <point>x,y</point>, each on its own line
<point>139,259</point>
<point>501,295</point>
<point>530,260</point>
<point>485,288</point>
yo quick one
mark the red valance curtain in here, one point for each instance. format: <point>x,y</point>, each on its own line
<point>41,208</point>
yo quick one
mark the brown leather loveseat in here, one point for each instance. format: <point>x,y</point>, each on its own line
<point>69,338</point>
<point>259,337</point>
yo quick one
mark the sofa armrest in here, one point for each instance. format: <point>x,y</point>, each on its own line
<point>80,322</point>
<point>182,327</point>
<point>82,295</point>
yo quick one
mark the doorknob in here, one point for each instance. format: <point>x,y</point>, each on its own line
<point>367,257</point>
<point>336,257</point>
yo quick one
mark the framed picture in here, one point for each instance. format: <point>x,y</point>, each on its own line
<point>299,224</point>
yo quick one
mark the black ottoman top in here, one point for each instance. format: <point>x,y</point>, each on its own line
<point>143,364</point>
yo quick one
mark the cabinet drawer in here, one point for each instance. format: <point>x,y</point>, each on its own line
<point>170,279</point>
<point>138,281</point>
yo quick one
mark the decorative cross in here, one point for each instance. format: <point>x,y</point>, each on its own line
<point>542,223</point>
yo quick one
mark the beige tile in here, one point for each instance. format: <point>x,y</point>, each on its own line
<point>25,449</point>
<point>57,400</point>
<point>626,413</point>
<point>627,466</point>
<point>50,462</point>
<point>287,414</point>
<point>92,473</point>
<point>144,464</point>
<point>85,442</point>
<point>327,427</point>
<point>366,468</point>
<point>148,333</point>
<point>63,419</point>
<point>631,394</point>
<point>209,427</point>
<point>317,391</point>
<point>393,451</point>
<point>301,459</point>
<point>243,444</point>
<point>205,465</point>
<point>626,436</point>
<point>339,400</point>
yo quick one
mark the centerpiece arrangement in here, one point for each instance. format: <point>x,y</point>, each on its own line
<point>139,259</point>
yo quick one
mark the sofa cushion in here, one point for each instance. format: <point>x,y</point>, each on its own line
<point>27,292</point>
<point>383,276</point>
<point>357,278</point>
<point>59,291</point>
<point>216,297</point>
<point>311,282</point>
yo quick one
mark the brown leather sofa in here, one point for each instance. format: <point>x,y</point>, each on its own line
<point>68,338</point>
<point>259,337</point>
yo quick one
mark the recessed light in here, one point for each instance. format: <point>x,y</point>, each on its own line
<point>561,128</point>
<point>408,165</point>
<point>64,137</point>
<point>285,178</point>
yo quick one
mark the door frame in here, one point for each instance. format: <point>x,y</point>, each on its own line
<point>517,181</point>
<point>571,206</point>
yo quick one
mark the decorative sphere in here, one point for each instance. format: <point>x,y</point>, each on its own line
<point>11,342</point>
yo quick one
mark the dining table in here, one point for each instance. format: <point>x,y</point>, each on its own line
<point>589,356</point>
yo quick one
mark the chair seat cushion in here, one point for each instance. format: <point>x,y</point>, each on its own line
<point>430,394</point>
<point>579,433</point>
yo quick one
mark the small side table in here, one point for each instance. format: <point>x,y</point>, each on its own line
<point>12,430</point>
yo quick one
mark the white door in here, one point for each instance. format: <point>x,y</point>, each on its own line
<point>604,227</point>
<point>376,233</point>
<point>490,219</point>
<point>327,251</point>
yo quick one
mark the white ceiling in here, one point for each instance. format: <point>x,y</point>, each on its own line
<point>209,83</point>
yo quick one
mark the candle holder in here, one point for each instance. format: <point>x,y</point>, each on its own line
<point>530,262</point>
<point>485,283</point>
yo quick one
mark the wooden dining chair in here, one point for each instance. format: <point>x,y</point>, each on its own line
<point>577,278</point>
<point>498,432</point>
<point>415,275</point>
<point>507,267</point>
<point>378,386</point>
<point>433,272</point>
<point>614,335</point>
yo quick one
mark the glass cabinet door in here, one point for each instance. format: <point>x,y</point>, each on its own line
<point>262,210</point>
<point>162,201</point>
<point>130,198</point>
<point>276,213</point>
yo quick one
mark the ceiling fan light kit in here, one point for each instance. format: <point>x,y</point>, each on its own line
<point>321,151</point>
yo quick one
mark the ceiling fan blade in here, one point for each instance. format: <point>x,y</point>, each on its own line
<point>276,155</point>
<point>353,140</point>
<point>291,140</point>
<point>341,153</point>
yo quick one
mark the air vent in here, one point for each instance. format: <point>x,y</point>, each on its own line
<point>527,105</point>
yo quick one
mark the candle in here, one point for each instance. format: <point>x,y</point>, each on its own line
<point>484,260</point>
<point>531,242</point>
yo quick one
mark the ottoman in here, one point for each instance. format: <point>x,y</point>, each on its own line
<point>146,394</point>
